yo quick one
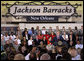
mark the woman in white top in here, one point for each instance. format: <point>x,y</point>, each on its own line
<point>30,41</point>
<point>65,36</point>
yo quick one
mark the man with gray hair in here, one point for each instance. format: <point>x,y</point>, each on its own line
<point>45,56</point>
<point>19,57</point>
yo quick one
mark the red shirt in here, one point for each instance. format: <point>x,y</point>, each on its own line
<point>48,42</point>
<point>40,37</point>
<point>47,36</point>
<point>52,36</point>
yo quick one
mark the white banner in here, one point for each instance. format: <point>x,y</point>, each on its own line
<point>42,10</point>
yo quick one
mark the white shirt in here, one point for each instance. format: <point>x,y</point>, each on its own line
<point>13,37</point>
<point>66,36</point>
<point>43,32</point>
<point>27,57</point>
<point>27,37</point>
<point>76,58</point>
<point>30,42</point>
<point>18,41</point>
<point>79,46</point>
<point>6,38</point>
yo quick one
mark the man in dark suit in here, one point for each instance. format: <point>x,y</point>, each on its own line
<point>58,38</point>
<point>37,41</point>
<point>26,35</point>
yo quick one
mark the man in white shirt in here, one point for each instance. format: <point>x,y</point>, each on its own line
<point>17,42</point>
<point>78,45</point>
<point>43,30</point>
<point>30,41</point>
<point>12,36</point>
<point>6,37</point>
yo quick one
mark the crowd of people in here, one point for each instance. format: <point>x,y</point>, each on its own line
<point>42,44</point>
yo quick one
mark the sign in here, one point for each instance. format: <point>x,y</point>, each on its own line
<point>42,18</point>
<point>41,10</point>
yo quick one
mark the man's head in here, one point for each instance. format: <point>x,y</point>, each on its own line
<point>72,51</point>
<point>78,42</point>
<point>45,56</point>
<point>37,27</point>
<point>12,33</point>
<point>34,48</point>
<point>6,34</point>
<point>76,28</point>
<point>52,33</point>
<point>19,57</point>
<point>32,56</point>
<point>50,28</point>
<point>64,32</point>
<point>63,27</point>
<point>43,28</point>
<point>58,33</point>
<point>25,29</point>
<point>32,28</point>
<point>69,28</point>
<point>41,43</point>
<point>26,32</point>
<point>57,27</point>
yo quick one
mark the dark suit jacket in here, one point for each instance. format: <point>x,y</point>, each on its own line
<point>55,40</point>
<point>37,42</point>
<point>60,38</point>
<point>23,34</point>
<point>73,39</point>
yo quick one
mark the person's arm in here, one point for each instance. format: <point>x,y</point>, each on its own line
<point>37,55</point>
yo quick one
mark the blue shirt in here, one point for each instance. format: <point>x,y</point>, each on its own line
<point>30,32</point>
